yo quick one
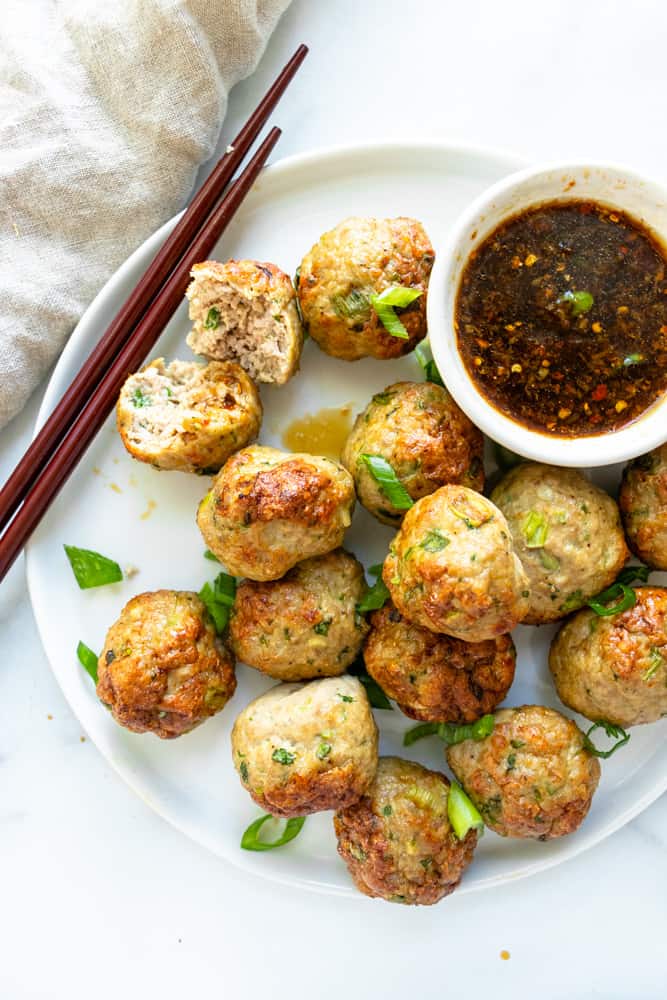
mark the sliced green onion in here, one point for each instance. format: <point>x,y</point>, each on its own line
<point>549,561</point>
<point>411,736</point>
<point>613,732</point>
<point>535,530</point>
<point>628,599</point>
<point>250,841</point>
<point>92,569</point>
<point>212,321</point>
<point>656,660</point>
<point>633,359</point>
<point>283,756</point>
<point>218,598</point>
<point>376,596</point>
<point>580,302</point>
<point>210,555</point>
<point>475,515</point>
<point>428,365</point>
<point>88,659</point>
<point>461,812</point>
<point>633,573</point>
<point>434,541</point>
<point>386,301</point>
<point>388,481</point>
<point>382,398</point>
<point>355,305</point>
<point>376,695</point>
<point>139,400</point>
<point>449,732</point>
<point>572,601</point>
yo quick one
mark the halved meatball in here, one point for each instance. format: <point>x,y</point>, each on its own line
<point>643,502</point>
<point>615,668</point>
<point>397,841</point>
<point>357,259</point>
<point>567,534</point>
<point>303,748</point>
<point>163,669</point>
<point>304,625</point>
<point>188,416</point>
<point>532,776</point>
<point>246,311</point>
<point>451,567</point>
<point>437,678</point>
<point>428,441</point>
<point>268,510</point>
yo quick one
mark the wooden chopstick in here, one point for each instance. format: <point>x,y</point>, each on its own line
<point>79,392</point>
<point>147,332</point>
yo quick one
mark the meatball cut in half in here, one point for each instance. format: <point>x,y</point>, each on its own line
<point>532,776</point>
<point>397,841</point>
<point>269,510</point>
<point>306,624</point>
<point>188,416</point>
<point>349,264</point>
<point>303,748</point>
<point>451,567</point>
<point>643,501</point>
<point>246,311</point>
<point>615,668</point>
<point>567,534</point>
<point>428,441</point>
<point>437,678</point>
<point>163,669</point>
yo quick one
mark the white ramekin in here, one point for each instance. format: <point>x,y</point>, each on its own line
<point>611,185</point>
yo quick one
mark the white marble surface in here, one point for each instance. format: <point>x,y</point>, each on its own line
<point>101,898</point>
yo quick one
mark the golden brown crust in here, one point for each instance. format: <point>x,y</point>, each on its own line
<point>163,669</point>
<point>314,793</point>
<point>437,678</point>
<point>261,277</point>
<point>643,503</point>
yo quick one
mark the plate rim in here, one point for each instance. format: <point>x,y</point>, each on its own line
<point>85,329</point>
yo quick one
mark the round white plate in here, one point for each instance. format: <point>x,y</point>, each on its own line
<point>146,519</point>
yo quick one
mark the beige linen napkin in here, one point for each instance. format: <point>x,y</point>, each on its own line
<point>106,111</point>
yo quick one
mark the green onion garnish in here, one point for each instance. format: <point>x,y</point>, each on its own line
<point>388,481</point>
<point>434,541</point>
<point>461,812</point>
<point>619,589</point>
<point>385,303</point>
<point>612,731</point>
<point>218,598</point>
<point>210,555</point>
<point>580,302</point>
<point>88,659</point>
<point>376,695</point>
<point>535,530</point>
<point>250,840</point>
<point>92,569</point>
<point>429,367</point>
<point>449,732</point>
<point>377,595</point>
<point>212,321</point>
<point>632,574</point>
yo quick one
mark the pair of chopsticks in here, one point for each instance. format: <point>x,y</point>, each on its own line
<point>62,441</point>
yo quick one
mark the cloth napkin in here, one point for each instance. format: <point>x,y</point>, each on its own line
<point>106,111</point>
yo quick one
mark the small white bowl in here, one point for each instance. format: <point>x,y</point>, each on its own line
<point>613,186</point>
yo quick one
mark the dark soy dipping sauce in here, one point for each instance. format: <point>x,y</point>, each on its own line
<point>561,318</point>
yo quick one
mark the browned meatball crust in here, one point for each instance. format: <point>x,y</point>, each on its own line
<point>428,441</point>
<point>163,669</point>
<point>532,776</point>
<point>615,668</point>
<point>437,678</point>
<point>306,624</point>
<point>357,259</point>
<point>643,502</point>
<point>397,841</point>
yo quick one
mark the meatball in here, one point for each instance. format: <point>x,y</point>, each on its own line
<point>428,441</point>
<point>303,748</point>
<point>615,668</point>
<point>451,567</point>
<point>357,259</point>
<point>643,501</point>
<point>437,678</point>
<point>567,534</point>
<point>163,670</point>
<point>304,625</point>
<point>397,841</point>
<point>532,777</point>
<point>246,311</point>
<point>268,510</point>
<point>188,416</point>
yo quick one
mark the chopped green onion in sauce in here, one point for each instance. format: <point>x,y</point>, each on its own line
<point>218,598</point>
<point>462,814</point>
<point>387,301</point>
<point>613,732</point>
<point>579,302</point>
<point>92,569</point>
<point>88,659</point>
<point>250,841</point>
<point>388,481</point>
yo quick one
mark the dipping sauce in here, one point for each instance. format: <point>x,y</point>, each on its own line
<point>561,318</point>
<point>321,433</point>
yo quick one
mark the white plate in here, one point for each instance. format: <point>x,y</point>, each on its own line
<point>108,506</point>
